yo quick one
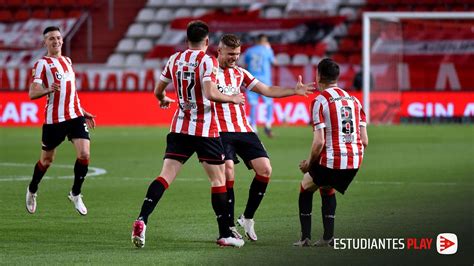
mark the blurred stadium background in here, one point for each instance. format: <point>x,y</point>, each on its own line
<point>421,72</point>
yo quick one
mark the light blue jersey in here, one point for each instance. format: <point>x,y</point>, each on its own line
<point>259,60</point>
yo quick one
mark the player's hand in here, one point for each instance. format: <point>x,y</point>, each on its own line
<point>90,121</point>
<point>238,98</point>
<point>304,166</point>
<point>165,102</point>
<point>304,89</point>
<point>54,87</point>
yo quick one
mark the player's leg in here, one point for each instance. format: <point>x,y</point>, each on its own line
<point>268,115</point>
<point>252,100</point>
<point>46,159</point>
<point>52,136</point>
<point>328,212</point>
<point>229,184</point>
<point>251,150</point>
<point>305,207</point>
<point>178,150</point>
<point>210,153</point>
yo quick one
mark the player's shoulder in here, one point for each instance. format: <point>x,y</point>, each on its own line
<point>68,59</point>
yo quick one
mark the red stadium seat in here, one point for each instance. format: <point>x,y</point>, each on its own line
<point>6,15</point>
<point>57,13</point>
<point>39,13</point>
<point>22,14</point>
<point>14,3</point>
<point>85,3</point>
<point>33,3</point>
<point>74,13</point>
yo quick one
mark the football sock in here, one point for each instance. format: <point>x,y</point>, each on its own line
<point>80,171</point>
<point>305,205</point>
<point>153,195</point>
<point>220,206</point>
<point>256,193</point>
<point>38,174</point>
<point>230,194</point>
<point>328,211</point>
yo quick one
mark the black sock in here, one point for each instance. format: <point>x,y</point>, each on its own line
<point>220,205</point>
<point>256,193</point>
<point>38,174</point>
<point>328,210</point>
<point>305,205</point>
<point>81,167</point>
<point>153,195</point>
<point>231,200</point>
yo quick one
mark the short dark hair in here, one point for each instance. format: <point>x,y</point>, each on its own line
<point>261,37</point>
<point>51,28</point>
<point>328,70</point>
<point>230,40</point>
<point>197,31</point>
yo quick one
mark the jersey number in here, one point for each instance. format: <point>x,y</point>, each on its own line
<point>346,120</point>
<point>190,77</point>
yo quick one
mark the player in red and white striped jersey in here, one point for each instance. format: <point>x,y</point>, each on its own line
<point>339,140</point>
<point>237,135</point>
<point>53,77</point>
<point>194,129</point>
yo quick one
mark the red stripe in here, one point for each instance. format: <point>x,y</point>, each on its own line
<point>177,154</point>
<point>244,118</point>
<point>241,82</point>
<point>327,191</point>
<point>214,128</point>
<point>76,104</point>
<point>229,183</point>
<point>216,190</point>
<point>199,97</point>
<point>220,115</point>
<point>175,120</point>
<point>57,94</point>
<point>302,188</point>
<point>83,161</point>
<point>263,179</point>
<point>163,181</point>
<point>350,156</point>
<point>67,116</point>
<point>233,113</point>
<point>334,129</point>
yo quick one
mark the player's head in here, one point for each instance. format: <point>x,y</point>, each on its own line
<point>197,33</point>
<point>328,71</point>
<point>228,50</point>
<point>53,40</point>
<point>262,38</point>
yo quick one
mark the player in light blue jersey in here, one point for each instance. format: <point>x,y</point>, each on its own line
<point>259,60</point>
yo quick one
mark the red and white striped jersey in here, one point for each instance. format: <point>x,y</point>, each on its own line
<point>232,117</point>
<point>341,116</point>
<point>196,114</point>
<point>64,104</point>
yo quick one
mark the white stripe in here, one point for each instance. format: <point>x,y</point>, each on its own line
<point>194,117</point>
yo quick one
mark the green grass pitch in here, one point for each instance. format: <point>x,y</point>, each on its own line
<point>416,181</point>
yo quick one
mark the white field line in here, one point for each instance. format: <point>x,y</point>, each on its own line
<point>93,171</point>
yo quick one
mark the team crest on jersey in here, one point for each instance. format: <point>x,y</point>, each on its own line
<point>59,76</point>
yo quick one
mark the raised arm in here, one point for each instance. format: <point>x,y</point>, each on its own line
<point>279,92</point>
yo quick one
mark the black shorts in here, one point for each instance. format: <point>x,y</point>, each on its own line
<point>54,134</point>
<point>245,144</point>
<point>339,179</point>
<point>182,146</point>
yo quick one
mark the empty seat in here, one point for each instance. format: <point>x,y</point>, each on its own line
<point>182,13</point>
<point>164,14</point>
<point>136,30</point>
<point>126,45</point>
<point>152,63</point>
<point>116,60</point>
<point>154,30</point>
<point>300,60</point>
<point>348,12</point>
<point>273,12</point>
<point>133,60</point>
<point>198,12</point>
<point>155,3</point>
<point>22,14</point>
<point>174,2</point>
<point>315,60</point>
<point>57,13</point>
<point>146,15</point>
<point>282,59</point>
<point>144,45</point>
<point>192,2</point>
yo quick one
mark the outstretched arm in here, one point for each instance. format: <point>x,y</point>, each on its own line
<point>279,92</point>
